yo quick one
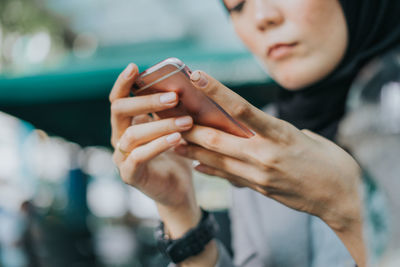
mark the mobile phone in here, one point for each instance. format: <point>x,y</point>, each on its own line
<point>172,75</point>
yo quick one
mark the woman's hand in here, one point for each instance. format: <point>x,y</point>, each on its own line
<point>300,169</point>
<point>143,156</point>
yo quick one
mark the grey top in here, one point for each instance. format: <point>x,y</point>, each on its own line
<point>267,233</point>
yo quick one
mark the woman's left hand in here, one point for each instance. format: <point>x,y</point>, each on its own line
<point>300,169</point>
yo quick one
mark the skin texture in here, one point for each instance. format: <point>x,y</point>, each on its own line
<point>145,160</point>
<point>318,27</point>
<point>300,169</point>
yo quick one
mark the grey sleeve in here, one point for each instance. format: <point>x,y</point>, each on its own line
<point>224,259</point>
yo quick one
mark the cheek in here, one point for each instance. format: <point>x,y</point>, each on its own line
<point>323,32</point>
<point>248,36</point>
<point>321,22</point>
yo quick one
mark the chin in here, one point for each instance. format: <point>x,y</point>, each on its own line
<point>292,81</point>
<point>297,76</point>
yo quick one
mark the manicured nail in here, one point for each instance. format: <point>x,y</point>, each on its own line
<point>184,121</point>
<point>168,98</point>
<point>173,138</point>
<point>182,150</point>
<point>195,163</point>
<point>199,79</point>
<point>128,72</point>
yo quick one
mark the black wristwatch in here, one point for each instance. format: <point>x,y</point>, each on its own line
<point>192,243</point>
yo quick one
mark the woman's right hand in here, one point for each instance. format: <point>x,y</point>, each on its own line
<point>142,150</point>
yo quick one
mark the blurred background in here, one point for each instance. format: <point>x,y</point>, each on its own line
<point>61,200</point>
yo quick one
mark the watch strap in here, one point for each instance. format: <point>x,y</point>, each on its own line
<point>191,243</point>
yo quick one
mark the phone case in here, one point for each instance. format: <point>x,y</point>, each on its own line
<point>172,75</point>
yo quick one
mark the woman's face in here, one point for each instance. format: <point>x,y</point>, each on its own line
<point>298,41</point>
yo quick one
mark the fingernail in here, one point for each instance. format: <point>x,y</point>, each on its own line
<point>199,79</point>
<point>128,72</point>
<point>184,121</point>
<point>173,138</point>
<point>181,150</point>
<point>195,163</point>
<point>168,98</point>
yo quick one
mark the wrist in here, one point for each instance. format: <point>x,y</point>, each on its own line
<point>346,220</point>
<point>195,247</point>
<point>179,220</point>
<point>344,213</point>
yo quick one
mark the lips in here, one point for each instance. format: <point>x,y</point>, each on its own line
<point>280,50</point>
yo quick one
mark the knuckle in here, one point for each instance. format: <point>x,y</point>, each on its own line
<point>130,134</point>
<point>286,133</point>
<point>211,139</point>
<point>268,161</point>
<point>152,105</point>
<point>169,125</point>
<point>241,110</point>
<point>135,161</point>
<point>139,119</point>
<point>115,107</point>
<point>264,181</point>
<point>212,89</point>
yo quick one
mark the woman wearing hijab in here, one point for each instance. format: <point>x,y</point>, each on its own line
<point>313,49</point>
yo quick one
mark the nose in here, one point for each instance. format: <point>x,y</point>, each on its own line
<point>267,14</point>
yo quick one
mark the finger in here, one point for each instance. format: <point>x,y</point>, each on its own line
<point>133,106</point>
<point>155,116</point>
<point>122,88</point>
<point>224,163</point>
<point>119,155</point>
<point>143,154</point>
<point>234,180</point>
<point>218,141</point>
<point>124,82</point>
<point>143,133</point>
<point>139,119</point>
<point>122,110</point>
<point>236,105</point>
